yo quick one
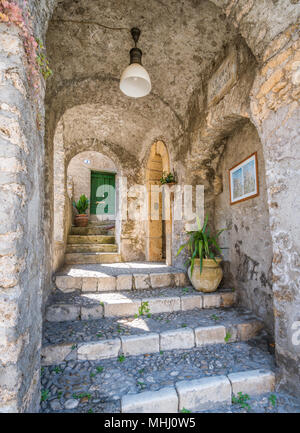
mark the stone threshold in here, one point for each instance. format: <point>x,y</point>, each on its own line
<point>143,336</point>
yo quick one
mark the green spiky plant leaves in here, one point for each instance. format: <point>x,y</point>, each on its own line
<point>167,178</point>
<point>202,244</point>
<point>82,204</point>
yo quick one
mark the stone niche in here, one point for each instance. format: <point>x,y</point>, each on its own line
<point>247,242</point>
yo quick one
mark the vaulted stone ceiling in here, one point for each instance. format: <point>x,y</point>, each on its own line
<point>179,40</point>
<point>88,43</point>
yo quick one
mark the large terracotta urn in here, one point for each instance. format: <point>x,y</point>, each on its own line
<point>210,278</point>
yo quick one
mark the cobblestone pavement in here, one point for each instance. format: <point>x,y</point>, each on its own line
<point>98,385</point>
<point>272,402</point>
<point>99,329</point>
<point>114,269</point>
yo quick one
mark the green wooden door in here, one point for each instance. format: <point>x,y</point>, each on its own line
<point>103,193</point>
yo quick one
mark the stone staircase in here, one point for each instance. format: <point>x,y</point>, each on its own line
<point>134,337</point>
<point>92,244</point>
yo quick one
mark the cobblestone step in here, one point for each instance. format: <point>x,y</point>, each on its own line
<point>199,394</point>
<point>111,337</point>
<point>198,379</point>
<point>76,306</point>
<point>92,258</point>
<point>91,239</point>
<point>91,248</point>
<point>115,279</point>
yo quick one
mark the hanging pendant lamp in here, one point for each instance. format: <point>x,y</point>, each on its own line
<point>135,81</point>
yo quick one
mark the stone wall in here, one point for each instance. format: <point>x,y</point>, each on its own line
<point>248,245</point>
<point>21,241</point>
<point>276,113</point>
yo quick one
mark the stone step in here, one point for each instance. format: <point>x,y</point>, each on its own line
<point>75,306</point>
<point>199,395</point>
<point>103,279</point>
<point>91,258</point>
<point>91,239</point>
<point>94,221</point>
<point>198,379</point>
<point>93,230</point>
<point>91,248</point>
<point>111,337</point>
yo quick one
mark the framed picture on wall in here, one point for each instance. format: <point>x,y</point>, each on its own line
<point>243,180</point>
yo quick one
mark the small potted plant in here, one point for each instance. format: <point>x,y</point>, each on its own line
<point>167,178</point>
<point>205,272</point>
<point>81,220</point>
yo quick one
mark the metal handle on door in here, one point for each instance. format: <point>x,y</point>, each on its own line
<point>100,202</point>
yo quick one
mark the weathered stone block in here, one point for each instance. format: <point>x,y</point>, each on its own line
<point>252,382</point>
<point>210,335</point>
<point>177,339</point>
<point>140,344</point>
<point>163,305</point>
<point>191,302</point>
<point>121,307</point>
<point>161,280</point>
<point>211,300</point>
<point>89,284</point>
<point>249,330</point>
<point>62,312</point>
<point>181,279</point>
<point>228,299</point>
<point>99,350</point>
<point>94,312</point>
<point>58,353</point>
<point>106,284</point>
<point>124,282</point>
<point>142,281</point>
<point>203,394</point>
<point>67,283</point>
<point>163,401</point>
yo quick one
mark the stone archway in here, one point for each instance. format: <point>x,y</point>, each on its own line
<point>25,217</point>
<point>159,230</point>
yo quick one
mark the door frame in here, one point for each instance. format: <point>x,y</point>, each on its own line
<point>104,216</point>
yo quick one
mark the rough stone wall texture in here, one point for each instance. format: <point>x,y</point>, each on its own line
<point>248,254</point>
<point>21,249</point>
<point>21,242</point>
<point>276,112</point>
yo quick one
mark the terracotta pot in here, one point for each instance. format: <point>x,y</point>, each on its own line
<point>81,220</point>
<point>169,183</point>
<point>210,278</point>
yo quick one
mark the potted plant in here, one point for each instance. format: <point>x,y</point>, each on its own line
<point>205,272</point>
<point>81,220</point>
<point>168,178</point>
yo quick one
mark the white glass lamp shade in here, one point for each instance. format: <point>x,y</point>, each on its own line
<point>135,81</point>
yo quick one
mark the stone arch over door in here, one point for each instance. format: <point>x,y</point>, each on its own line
<point>159,231</point>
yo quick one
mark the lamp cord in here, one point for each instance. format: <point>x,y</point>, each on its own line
<point>90,22</point>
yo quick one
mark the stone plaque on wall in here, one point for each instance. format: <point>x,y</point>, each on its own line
<point>223,79</point>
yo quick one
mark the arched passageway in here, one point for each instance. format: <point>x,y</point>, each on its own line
<point>183,47</point>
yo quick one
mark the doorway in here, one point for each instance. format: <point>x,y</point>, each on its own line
<point>159,230</point>
<point>103,193</point>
